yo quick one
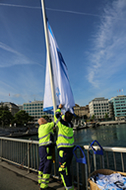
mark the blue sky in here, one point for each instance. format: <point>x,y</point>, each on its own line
<point>90,34</point>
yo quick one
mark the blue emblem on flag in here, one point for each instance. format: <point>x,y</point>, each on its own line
<point>57,92</point>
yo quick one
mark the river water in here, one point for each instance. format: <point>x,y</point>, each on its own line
<point>112,135</point>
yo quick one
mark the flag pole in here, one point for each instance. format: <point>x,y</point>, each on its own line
<point>48,56</point>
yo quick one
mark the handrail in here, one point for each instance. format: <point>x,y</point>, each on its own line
<point>108,149</point>
<point>86,147</point>
<point>19,140</point>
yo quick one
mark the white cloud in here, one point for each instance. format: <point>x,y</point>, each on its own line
<point>109,44</point>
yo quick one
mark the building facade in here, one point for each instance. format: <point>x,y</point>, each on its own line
<point>35,109</point>
<point>82,111</point>
<point>99,107</point>
<point>20,107</point>
<point>13,108</point>
<point>119,106</point>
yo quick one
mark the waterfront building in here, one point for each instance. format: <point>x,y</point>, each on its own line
<point>119,106</point>
<point>35,109</point>
<point>20,107</point>
<point>81,110</point>
<point>99,107</point>
<point>13,108</point>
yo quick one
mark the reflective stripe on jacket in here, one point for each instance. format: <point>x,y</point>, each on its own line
<point>65,136</point>
<point>45,133</point>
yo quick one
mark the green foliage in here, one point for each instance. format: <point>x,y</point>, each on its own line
<point>106,115</point>
<point>93,117</point>
<point>5,117</point>
<point>46,117</point>
<point>22,117</point>
<point>2,107</point>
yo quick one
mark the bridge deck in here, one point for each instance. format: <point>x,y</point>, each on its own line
<point>15,178</point>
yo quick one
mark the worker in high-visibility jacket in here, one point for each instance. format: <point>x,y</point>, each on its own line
<point>45,135</point>
<point>65,145</point>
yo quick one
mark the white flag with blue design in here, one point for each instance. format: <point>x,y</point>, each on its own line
<point>63,92</point>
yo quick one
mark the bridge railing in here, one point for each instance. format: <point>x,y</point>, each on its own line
<point>113,158</point>
<point>24,153</point>
<point>21,152</point>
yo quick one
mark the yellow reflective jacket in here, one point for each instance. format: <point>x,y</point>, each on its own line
<point>45,134</point>
<point>65,136</point>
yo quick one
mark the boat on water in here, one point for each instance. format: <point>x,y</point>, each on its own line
<point>85,125</point>
<point>21,134</point>
<point>78,127</point>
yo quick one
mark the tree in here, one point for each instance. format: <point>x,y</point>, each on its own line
<point>106,116</point>
<point>2,107</point>
<point>93,117</point>
<point>22,117</point>
<point>6,117</point>
<point>46,117</point>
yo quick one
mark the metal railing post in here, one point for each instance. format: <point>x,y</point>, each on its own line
<point>84,174</point>
<point>28,153</point>
<point>94,158</point>
<point>1,152</point>
<point>78,187</point>
<point>114,160</point>
<point>88,162</point>
<point>122,162</point>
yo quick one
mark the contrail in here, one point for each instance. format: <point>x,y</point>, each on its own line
<point>73,12</point>
<point>58,10</point>
<point>81,13</point>
<point>22,6</point>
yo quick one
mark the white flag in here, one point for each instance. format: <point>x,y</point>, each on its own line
<point>63,92</point>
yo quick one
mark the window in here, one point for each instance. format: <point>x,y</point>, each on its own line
<point>118,105</point>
